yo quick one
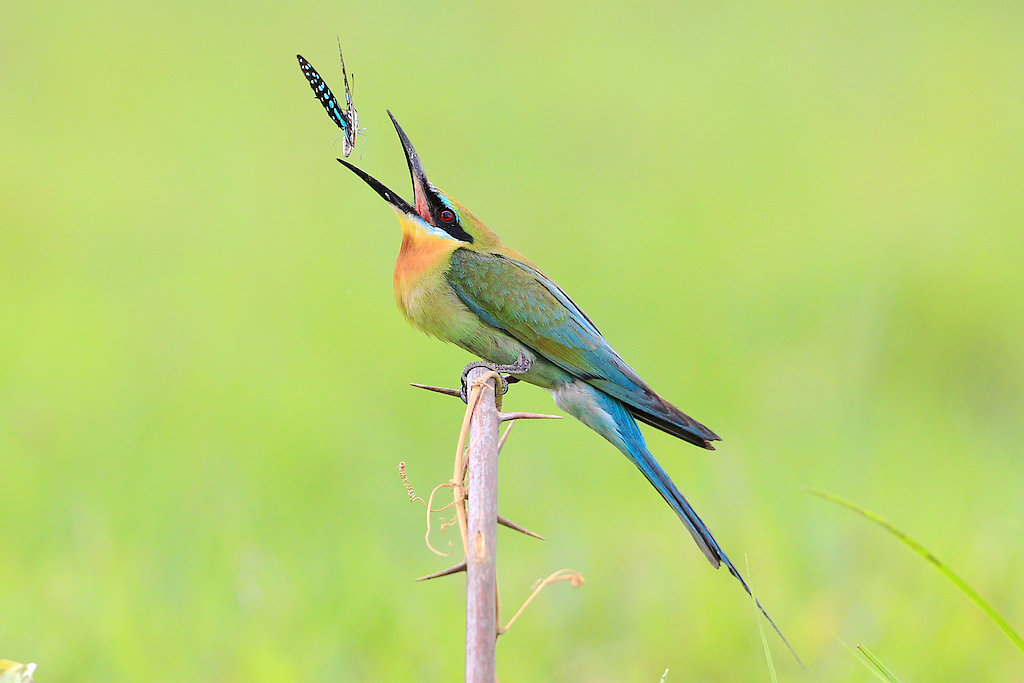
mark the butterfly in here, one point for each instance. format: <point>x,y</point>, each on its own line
<point>347,119</point>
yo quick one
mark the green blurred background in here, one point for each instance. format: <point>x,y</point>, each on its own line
<point>800,222</point>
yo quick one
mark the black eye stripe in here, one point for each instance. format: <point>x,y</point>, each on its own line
<point>446,218</point>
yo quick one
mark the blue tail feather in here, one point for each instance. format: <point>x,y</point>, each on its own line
<point>612,420</point>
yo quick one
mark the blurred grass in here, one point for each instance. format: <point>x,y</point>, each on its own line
<point>870,662</point>
<point>774,676</point>
<point>948,573</point>
<point>800,222</point>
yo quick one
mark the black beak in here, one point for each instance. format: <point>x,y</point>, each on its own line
<point>419,179</point>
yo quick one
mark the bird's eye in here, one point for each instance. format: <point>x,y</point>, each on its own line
<point>447,216</point>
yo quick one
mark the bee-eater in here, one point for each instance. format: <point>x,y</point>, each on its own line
<point>13,672</point>
<point>455,280</point>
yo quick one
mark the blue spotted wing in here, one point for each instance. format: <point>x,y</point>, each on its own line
<point>346,119</point>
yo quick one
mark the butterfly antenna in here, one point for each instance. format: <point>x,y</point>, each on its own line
<point>344,75</point>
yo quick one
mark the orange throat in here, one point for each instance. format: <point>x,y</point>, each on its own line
<point>420,256</point>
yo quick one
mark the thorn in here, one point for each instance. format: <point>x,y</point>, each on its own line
<point>454,569</point>
<point>504,437</point>
<point>506,417</point>
<point>506,522</point>
<point>440,390</point>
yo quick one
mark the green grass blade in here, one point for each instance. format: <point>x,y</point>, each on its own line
<point>882,669</point>
<point>869,661</point>
<point>934,561</point>
<point>760,625</point>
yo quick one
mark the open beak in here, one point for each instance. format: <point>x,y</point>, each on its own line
<point>420,185</point>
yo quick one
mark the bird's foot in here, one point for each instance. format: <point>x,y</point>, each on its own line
<point>522,364</point>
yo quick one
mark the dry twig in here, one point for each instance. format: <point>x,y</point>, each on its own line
<point>477,517</point>
<point>570,575</point>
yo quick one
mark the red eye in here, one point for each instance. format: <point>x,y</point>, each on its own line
<point>447,216</point>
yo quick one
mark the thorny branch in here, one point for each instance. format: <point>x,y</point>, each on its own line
<point>479,391</point>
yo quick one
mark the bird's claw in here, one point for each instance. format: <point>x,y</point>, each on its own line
<point>522,364</point>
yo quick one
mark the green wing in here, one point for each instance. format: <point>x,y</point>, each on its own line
<point>527,305</point>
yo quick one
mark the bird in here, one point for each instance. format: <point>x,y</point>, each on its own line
<point>455,280</point>
<point>15,672</point>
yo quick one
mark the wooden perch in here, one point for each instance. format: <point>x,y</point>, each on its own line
<point>476,455</point>
<point>482,528</point>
